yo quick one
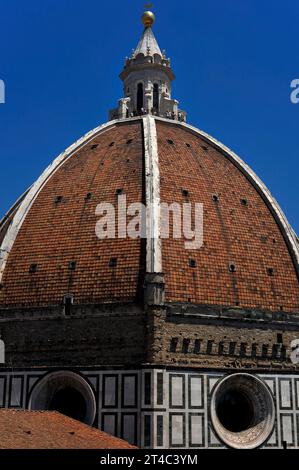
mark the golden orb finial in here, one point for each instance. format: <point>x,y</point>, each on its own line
<point>148,18</point>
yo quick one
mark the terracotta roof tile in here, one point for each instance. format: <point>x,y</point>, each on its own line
<point>20,429</point>
<point>58,231</point>
<point>239,229</point>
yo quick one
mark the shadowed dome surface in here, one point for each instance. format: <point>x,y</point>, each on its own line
<point>56,250</point>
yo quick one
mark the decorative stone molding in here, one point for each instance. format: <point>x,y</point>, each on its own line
<point>152,185</point>
<point>248,397</point>
<point>45,390</point>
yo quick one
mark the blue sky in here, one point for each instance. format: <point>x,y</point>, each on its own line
<point>234,61</point>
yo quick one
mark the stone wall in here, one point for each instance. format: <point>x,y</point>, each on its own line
<point>127,334</point>
<point>88,336</point>
<point>227,340</point>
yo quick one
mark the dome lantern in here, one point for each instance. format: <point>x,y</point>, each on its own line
<point>147,78</point>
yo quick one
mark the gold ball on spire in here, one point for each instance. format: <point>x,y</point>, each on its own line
<point>148,18</point>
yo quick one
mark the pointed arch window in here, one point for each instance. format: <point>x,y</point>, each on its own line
<point>156,98</point>
<point>139,97</point>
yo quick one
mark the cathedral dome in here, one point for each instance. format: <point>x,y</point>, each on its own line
<point>147,154</point>
<point>149,282</point>
<point>249,257</point>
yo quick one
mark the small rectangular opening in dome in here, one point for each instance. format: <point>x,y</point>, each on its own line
<point>72,265</point>
<point>232,268</point>
<point>113,262</point>
<point>58,199</point>
<point>33,268</point>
